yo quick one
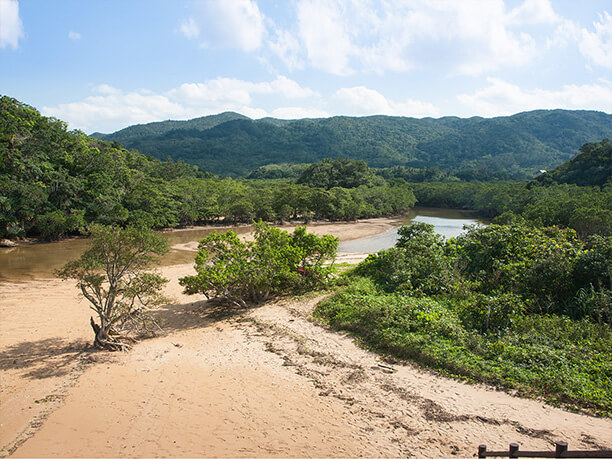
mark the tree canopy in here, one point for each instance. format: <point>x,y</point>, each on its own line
<point>343,173</point>
<point>275,261</point>
<point>54,182</point>
<point>114,276</point>
<point>591,167</point>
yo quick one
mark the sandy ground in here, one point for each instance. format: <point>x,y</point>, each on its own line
<point>344,231</point>
<point>263,382</point>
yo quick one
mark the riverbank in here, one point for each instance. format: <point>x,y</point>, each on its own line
<point>344,231</point>
<point>39,261</point>
<point>262,382</point>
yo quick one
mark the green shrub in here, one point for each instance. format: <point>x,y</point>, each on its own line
<point>561,359</point>
<point>275,261</point>
<point>493,313</point>
<point>595,304</point>
<point>418,264</point>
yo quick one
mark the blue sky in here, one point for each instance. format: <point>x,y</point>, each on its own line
<point>103,65</point>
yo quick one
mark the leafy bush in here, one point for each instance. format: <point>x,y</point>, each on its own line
<point>532,262</point>
<point>555,357</point>
<point>490,313</point>
<point>275,261</point>
<point>418,264</point>
<point>594,304</point>
<point>55,224</point>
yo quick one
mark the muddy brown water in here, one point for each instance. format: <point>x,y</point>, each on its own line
<point>40,260</point>
<point>36,261</point>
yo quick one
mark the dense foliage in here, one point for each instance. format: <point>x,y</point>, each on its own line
<point>515,305</point>
<point>275,261</point>
<point>586,209</point>
<point>435,174</point>
<point>54,182</point>
<point>278,171</point>
<point>334,173</point>
<point>591,167</point>
<point>539,355</point>
<point>518,145</point>
<point>114,276</point>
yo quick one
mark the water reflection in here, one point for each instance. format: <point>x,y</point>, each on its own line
<point>37,261</point>
<point>447,222</point>
<point>41,260</point>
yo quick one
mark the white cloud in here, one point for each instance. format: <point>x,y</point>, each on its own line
<point>116,109</point>
<point>287,47</point>
<point>221,90</point>
<point>230,23</point>
<point>293,113</point>
<point>111,109</point>
<point>190,29</point>
<point>533,12</point>
<point>567,32</point>
<point>322,29</point>
<point>360,100</point>
<point>106,89</point>
<point>11,27</point>
<point>501,98</point>
<point>597,45</point>
<point>234,91</point>
<point>467,36</point>
<point>74,36</point>
<point>286,87</point>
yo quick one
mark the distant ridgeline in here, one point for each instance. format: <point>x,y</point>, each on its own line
<point>54,182</point>
<point>234,145</point>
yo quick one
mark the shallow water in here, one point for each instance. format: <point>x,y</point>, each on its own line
<point>447,222</point>
<point>37,261</point>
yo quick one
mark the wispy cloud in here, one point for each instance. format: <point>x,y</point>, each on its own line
<point>111,108</point>
<point>597,45</point>
<point>11,27</point>
<point>190,29</point>
<point>74,36</point>
<point>360,100</point>
<point>471,37</point>
<point>594,44</point>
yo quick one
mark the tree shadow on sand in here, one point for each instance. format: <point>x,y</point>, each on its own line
<point>44,358</point>
<point>198,314</point>
<point>53,357</point>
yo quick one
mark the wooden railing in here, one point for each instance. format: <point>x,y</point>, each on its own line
<point>560,451</point>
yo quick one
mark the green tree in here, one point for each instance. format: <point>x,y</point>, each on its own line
<point>344,173</point>
<point>113,276</point>
<point>242,272</point>
<point>417,265</point>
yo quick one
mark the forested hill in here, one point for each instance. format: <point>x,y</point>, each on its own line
<point>592,166</point>
<point>162,127</point>
<point>231,144</point>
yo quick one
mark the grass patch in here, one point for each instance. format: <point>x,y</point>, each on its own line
<point>562,360</point>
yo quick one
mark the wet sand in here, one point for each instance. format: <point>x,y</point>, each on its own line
<point>263,382</point>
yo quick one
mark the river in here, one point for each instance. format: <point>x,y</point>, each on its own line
<point>447,222</point>
<point>35,261</point>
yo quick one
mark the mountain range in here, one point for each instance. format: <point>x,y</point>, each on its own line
<point>232,144</point>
